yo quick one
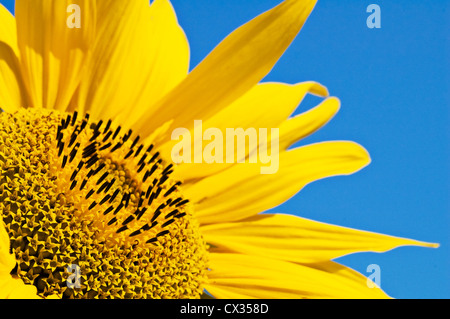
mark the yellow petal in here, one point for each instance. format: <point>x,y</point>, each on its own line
<point>7,260</point>
<point>8,32</point>
<point>266,105</point>
<point>14,288</point>
<point>140,54</point>
<point>237,64</point>
<point>264,278</point>
<point>220,292</point>
<point>168,57</point>
<point>11,287</point>
<point>242,191</point>
<point>296,239</point>
<point>53,50</point>
<point>12,91</point>
<point>308,122</point>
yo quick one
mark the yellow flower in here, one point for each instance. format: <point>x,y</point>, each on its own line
<point>86,181</point>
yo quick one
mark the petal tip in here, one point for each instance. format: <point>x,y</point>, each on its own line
<point>361,153</point>
<point>431,245</point>
<point>334,103</point>
<point>319,90</point>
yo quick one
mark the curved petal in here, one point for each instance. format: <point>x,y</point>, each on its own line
<point>242,191</point>
<point>238,63</point>
<point>307,123</point>
<point>296,239</point>
<point>54,47</point>
<point>12,91</point>
<point>135,62</point>
<point>266,105</point>
<point>243,276</point>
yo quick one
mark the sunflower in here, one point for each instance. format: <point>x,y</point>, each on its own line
<point>87,181</point>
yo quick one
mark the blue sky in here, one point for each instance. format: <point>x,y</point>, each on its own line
<point>393,84</point>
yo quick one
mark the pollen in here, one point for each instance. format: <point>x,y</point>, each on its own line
<point>79,192</point>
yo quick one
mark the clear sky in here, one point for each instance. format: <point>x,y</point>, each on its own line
<point>393,83</point>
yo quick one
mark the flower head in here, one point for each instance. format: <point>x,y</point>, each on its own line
<point>87,181</point>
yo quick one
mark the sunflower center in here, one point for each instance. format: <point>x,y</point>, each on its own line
<point>81,195</point>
